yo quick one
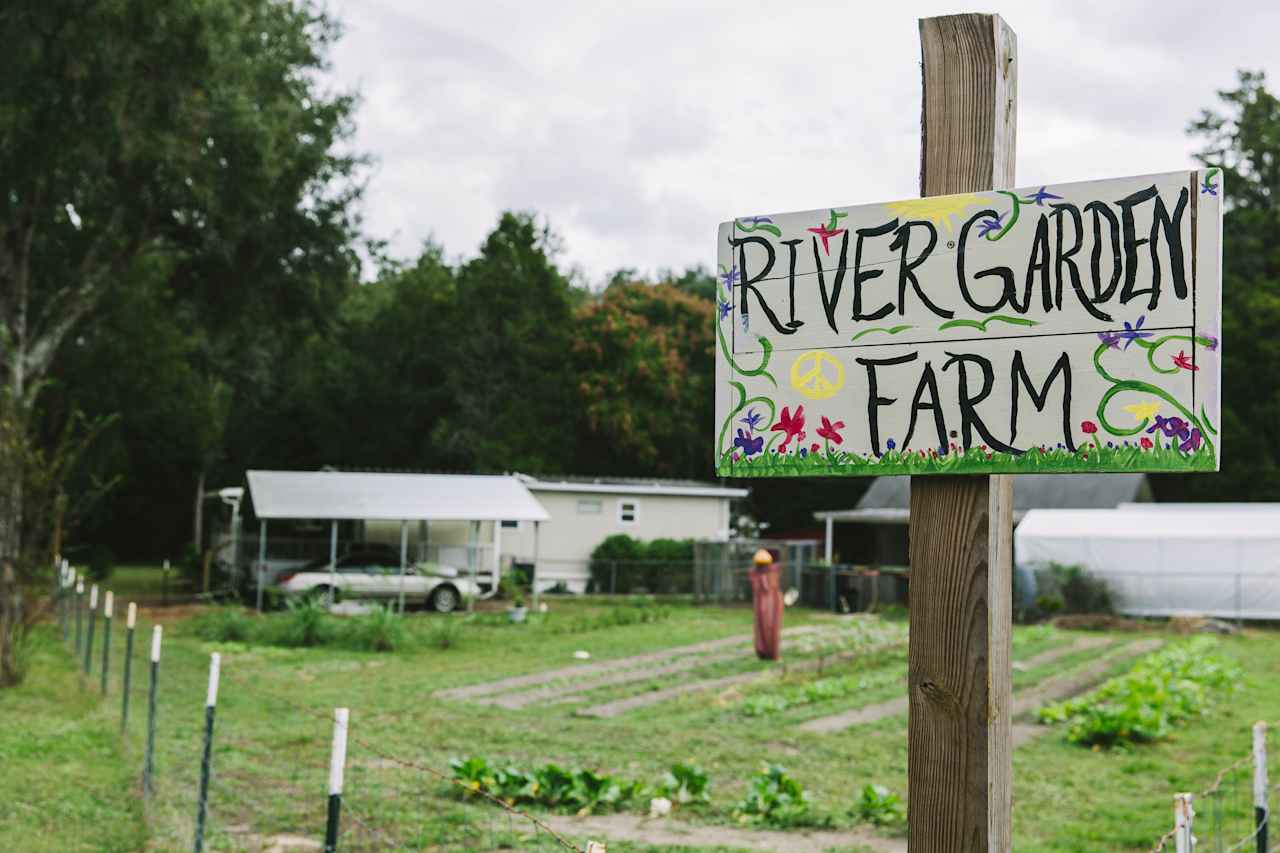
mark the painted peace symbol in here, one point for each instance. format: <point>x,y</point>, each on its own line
<point>817,374</point>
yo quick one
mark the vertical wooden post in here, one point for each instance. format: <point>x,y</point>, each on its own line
<point>1183,813</point>
<point>959,750</point>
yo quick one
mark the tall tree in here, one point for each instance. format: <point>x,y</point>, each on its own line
<point>188,141</point>
<point>1242,138</point>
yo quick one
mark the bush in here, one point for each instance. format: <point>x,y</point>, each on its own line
<point>102,561</point>
<point>305,623</point>
<point>626,565</point>
<point>880,806</point>
<point>224,625</point>
<point>379,630</point>
<point>1060,589</point>
<point>775,799</point>
<point>1162,689</point>
<point>445,632</point>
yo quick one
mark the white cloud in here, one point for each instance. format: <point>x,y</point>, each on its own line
<point>635,128</point>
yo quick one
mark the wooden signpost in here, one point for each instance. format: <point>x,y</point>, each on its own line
<point>980,330</point>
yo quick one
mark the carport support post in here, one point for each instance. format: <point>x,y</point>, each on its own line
<point>262,557</point>
<point>404,557</point>
<point>533,582</point>
<point>959,768</point>
<point>473,545</point>
<point>333,559</point>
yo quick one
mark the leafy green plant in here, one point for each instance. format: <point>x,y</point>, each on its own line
<point>379,630</point>
<point>224,625</point>
<point>880,806</point>
<point>445,632</point>
<point>1144,704</point>
<point>775,799</point>
<point>685,785</point>
<point>818,690</point>
<point>306,622</point>
<point>580,791</point>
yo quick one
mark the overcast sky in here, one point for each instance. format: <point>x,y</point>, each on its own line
<point>634,128</point>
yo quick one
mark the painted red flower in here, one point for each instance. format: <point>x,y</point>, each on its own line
<point>1145,442</point>
<point>1089,427</point>
<point>791,425</point>
<point>813,448</point>
<point>1184,361</point>
<point>829,430</point>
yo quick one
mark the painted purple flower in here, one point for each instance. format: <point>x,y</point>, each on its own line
<point>749,444</point>
<point>1039,197</point>
<point>725,308</point>
<point>1171,427</point>
<point>891,444</point>
<point>752,420</point>
<point>756,220</point>
<point>1131,333</point>
<point>804,451</point>
<point>1111,339</point>
<point>730,277</point>
<point>1192,442</point>
<point>1210,342</point>
<point>991,223</point>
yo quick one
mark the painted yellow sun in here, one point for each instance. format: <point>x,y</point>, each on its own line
<point>939,209</point>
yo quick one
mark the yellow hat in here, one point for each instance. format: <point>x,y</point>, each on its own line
<point>762,558</point>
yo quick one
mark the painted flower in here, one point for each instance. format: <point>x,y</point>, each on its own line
<point>1210,342</point>
<point>1184,361</point>
<point>1088,427</point>
<point>1171,427</point>
<point>752,420</point>
<point>802,452</point>
<point>1111,339</point>
<point>792,426</point>
<point>1207,187</point>
<point>991,223</point>
<point>725,308</point>
<point>826,233</point>
<point>1192,442</point>
<point>813,448</point>
<point>750,444</point>
<point>1143,411</point>
<point>1132,333</point>
<point>891,444</point>
<point>830,431</point>
<point>1039,197</point>
<point>729,277</point>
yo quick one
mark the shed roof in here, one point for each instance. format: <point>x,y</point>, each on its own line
<point>889,498</point>
<point>347,495</point>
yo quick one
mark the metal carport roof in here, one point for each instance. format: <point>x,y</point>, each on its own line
<point>346,495</point>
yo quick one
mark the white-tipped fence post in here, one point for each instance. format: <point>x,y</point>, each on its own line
<point>64,601</point>
<point>79,614</point>
<point>206,757</point>
<point>88,636</point>
<point>337,763</point>
<point>148,760</point>
<point>1183,840</point>
<point>107,606</point>
<point>1261,805</point>
<point>130,621</point>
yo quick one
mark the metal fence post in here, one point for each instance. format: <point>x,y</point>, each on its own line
<point>1182,814</point>
<point>1261,806</point>
<point>107,606</point>
<point>148,761</point>
<point>88,637</point>
<point>206,757</point>
<point>337,763</point>
<point>79,614</point>
<point>130,621</point>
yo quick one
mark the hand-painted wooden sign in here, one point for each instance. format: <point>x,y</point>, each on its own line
<point>1064,328</point>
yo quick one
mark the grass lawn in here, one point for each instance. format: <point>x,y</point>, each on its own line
<point>273,730</point>
<point>134,581</point>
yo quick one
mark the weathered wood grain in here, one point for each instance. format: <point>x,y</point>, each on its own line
<point>960,686</point>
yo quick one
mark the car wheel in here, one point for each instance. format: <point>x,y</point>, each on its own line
<point>444,600</point>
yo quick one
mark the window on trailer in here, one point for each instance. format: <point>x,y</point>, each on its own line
<point>629,512</point>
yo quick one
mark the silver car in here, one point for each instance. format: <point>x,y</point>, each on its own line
<point>373,576</point>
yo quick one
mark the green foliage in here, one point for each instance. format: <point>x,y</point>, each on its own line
<point>633,612</point>
<point>880,806</point>
<point>379,630</point>
<point>306,622</point>
<point>685,785</point>
<point>102,562</point>
<point>1162,689</point>
<point>775,799</point>
<point>624,564</point>
<point>552,786</point>
<point>445,632</point>
<point>230,624</point>
<point>819,690</point>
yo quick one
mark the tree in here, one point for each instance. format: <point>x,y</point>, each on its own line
<point>644,371</point>
<point>1244,141</point>
<point>190,142</point>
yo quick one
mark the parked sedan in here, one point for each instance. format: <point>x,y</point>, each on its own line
<point>375,576</point>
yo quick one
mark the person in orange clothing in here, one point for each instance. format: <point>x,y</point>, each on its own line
<point>766,595</point>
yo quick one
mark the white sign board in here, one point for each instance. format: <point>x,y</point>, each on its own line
<point>1060,328</point>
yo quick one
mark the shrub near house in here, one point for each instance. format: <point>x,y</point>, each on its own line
<point>627,565</point>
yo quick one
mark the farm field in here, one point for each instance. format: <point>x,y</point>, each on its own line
<point>516,696</point>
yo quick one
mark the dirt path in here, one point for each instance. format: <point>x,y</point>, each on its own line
<point>1023,701</point>
<point>578,671</point>
<point>671,833</point>
<point>643,700</point>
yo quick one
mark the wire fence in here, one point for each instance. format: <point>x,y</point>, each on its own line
<point>1233,813</point>
<point>223,786</point>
